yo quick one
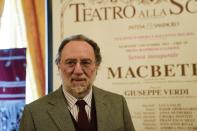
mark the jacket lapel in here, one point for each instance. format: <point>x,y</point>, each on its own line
<point>60,113</point>
<point>62,118</point>
<point>102,110</point>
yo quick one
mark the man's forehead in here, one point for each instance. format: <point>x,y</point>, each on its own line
<point>77,47</point>
<point>76,43</point>
<point>76,59</point>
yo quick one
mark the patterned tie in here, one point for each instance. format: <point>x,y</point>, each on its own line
<point>83,122</point>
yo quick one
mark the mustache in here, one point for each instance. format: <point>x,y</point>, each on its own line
<point>78,79</point>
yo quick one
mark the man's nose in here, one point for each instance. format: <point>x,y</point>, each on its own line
<point>78,69</point>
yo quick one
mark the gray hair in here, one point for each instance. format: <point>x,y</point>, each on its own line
<point>80,37</point>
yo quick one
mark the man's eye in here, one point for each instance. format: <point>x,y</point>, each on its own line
<point>70,63</point>
<point>86,63</point>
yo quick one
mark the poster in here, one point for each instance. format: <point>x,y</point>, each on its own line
<point>12,87</point>
<point>149,55</point>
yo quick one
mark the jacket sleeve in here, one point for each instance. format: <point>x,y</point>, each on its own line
<point>128,124</point>
<point>26,122</point>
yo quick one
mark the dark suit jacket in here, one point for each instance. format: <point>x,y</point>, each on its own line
<point>50,113</point>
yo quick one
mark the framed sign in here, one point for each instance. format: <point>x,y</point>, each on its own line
<point>149,55</point>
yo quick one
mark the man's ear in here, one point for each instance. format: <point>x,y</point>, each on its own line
<point>58,66</point>
<point>97,67</point>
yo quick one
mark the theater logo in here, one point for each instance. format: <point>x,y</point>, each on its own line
<point>104,10</point>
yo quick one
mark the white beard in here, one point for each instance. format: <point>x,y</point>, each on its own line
<point>79,91</point>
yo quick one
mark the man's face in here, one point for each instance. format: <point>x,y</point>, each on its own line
<point>77,68</point>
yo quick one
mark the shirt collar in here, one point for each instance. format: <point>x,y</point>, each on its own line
<point>72,100</point>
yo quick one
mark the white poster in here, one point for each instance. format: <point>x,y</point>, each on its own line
<point>149,55</point>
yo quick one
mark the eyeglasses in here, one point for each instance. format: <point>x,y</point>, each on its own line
<point>84,63</point>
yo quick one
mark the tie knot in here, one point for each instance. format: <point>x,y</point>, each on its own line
<point>81,103</point>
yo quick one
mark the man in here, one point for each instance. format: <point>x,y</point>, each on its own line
<point>78,61</point>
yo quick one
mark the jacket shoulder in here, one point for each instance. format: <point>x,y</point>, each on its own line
<point>105,92</point>
<point>46,100</point>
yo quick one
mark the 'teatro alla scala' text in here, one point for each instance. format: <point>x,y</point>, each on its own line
<point>84,12</point>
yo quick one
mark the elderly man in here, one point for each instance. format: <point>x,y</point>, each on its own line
<point>78,105</point>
